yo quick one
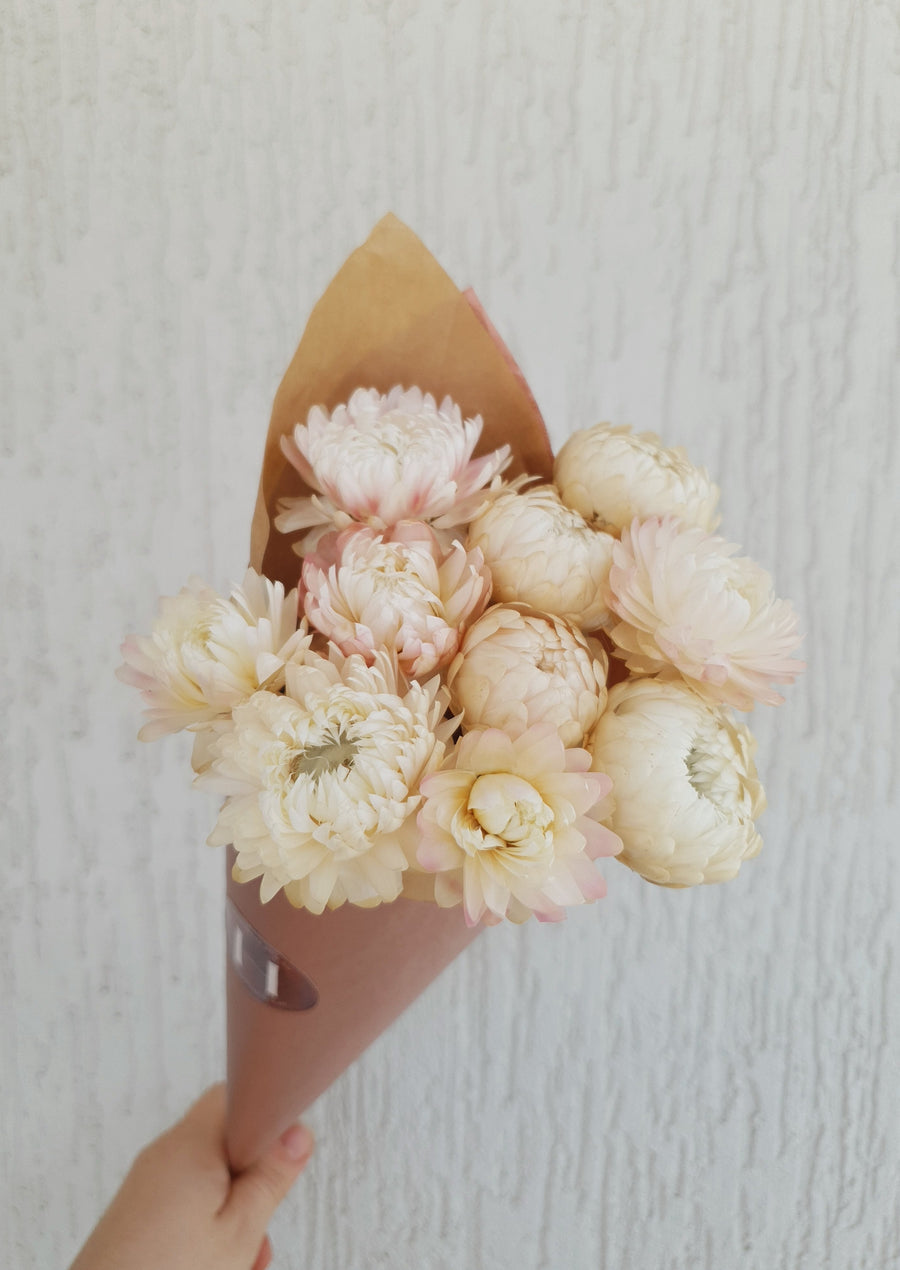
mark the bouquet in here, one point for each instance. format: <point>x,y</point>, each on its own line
<point>456,675</point>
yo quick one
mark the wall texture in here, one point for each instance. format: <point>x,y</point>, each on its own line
<point>683,216</point>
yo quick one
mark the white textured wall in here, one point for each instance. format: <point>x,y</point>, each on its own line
<point>683,216</point>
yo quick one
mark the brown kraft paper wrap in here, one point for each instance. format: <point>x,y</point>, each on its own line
<point>307,994</point>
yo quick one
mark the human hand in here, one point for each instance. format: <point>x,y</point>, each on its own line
<point>179,1208</point>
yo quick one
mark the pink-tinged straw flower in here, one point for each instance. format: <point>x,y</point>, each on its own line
<point>206,654</point>
<point>687,605</point>
<point>381,459</point>
<point>322,782</point>
<point>685,789</point>
<point>504,827</point>
<point>402,591</point>
<point>517,667</point>
<point>545,555</point>
<point>611,476</point>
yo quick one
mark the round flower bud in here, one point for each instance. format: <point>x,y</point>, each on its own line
<point>610,476</point>
<point>685,789</point>
<point>543,554</point>
<point>517,668</point>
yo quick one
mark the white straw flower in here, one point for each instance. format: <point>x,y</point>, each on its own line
<point>685,789</point>
<point>504,827</point>
<point>400,590</point>
<point>610,476</point>
<point>206,654</point>
<point>543,554</point>
<point>687,604</point>
<point>517,667</point>
<point>322,781</point>
<point>381,459</point>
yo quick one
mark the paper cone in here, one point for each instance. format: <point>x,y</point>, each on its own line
<point>307,994</point>
<point>361,967</point>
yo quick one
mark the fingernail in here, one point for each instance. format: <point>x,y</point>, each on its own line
<point>297,1142</point>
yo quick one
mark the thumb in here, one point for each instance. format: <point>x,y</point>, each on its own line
<point>257,1192</point>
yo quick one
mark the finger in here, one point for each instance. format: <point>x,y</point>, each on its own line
<point>203,1123</point>
<point>206,1118</point>
<point>194,1148</point>
<point>264,1256</point>
<point>257,1192</point>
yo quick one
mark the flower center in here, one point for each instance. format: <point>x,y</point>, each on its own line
<point>568,524</point>
<point>407,576</point>
<point>393,439</point>
<point>199,633</point>
<point>551,661</point>
<point>390,562</point>
<point>509,809</point>
<point>338,749</point>
<point>660,456</point>
<point>711,772</point>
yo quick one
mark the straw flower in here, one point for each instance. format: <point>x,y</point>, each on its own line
<point>504,828</point>
<point>685,788</point>
<point>610,476</point>
<point>686,604</point>
<point>402,591</point>
<point>381,459</point>
<point>206,654</point>
<point>323,780</point>
<point>545,555</point>
<point>517,667</point>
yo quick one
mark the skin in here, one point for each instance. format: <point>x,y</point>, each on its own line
<point>180,1208</point>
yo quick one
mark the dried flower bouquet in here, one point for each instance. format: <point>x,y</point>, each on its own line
<point>458,673</point>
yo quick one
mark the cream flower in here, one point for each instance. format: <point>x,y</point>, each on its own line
<point>322,781</point>
<point>543,554</point>
<point>610,476</point>
<point>401,591</point>
<point>381,459</point>
<point>685,602</point>
<point>206,654</point>
<point>685,789</point>
<point>517,667</point>
<point>203,751</point>
<point>504,827</point>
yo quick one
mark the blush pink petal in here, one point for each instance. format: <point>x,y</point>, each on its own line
<point>520,843</point>
<point>403,591</point>
<point>599,841</point>
<point>487,750</point>
<point>380,459</point>
<point>435,855</point>
<point>688,605</point>
<point>590,882</point>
